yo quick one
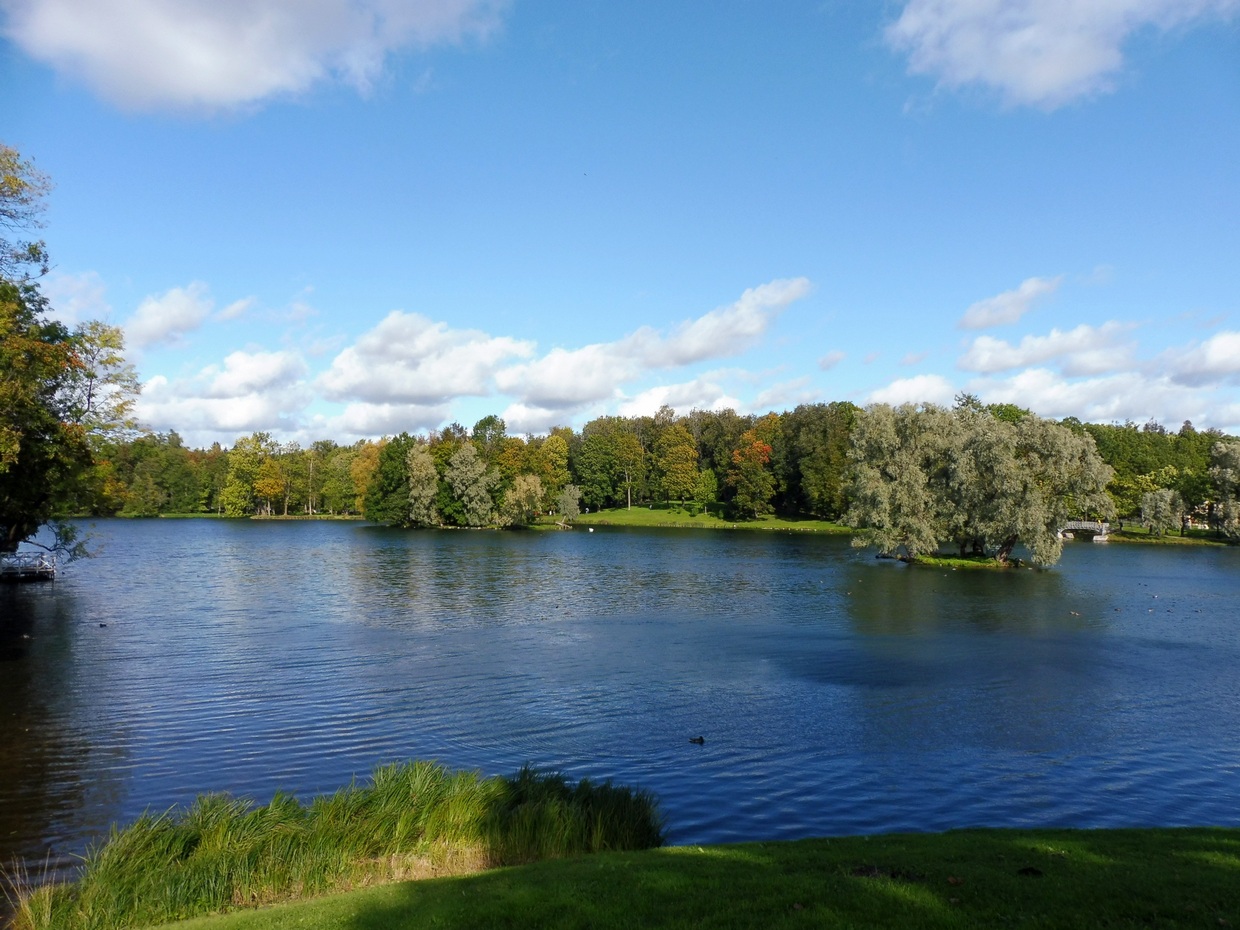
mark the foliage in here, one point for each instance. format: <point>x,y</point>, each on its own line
<point>1161,510</point>
<point>675,462</point>
<point>45,458</point>
<point>471,484</point>
<point>522,501</point>
<point>924,476</point>
<point>387,493</point>
<point>1225,472</point>
<point>23,189</point>
<point>63,397</point>
<point>223,853</point>
<point>423,485</point>
<point>753,482</point>
<point>568,502</point>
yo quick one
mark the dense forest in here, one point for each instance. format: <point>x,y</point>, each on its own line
<point>805,462</point>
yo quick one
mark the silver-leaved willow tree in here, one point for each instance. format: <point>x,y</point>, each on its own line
<point>926,476</point>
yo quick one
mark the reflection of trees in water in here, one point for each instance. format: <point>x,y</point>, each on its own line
<point>1002,660</point>
<point>49,789</point>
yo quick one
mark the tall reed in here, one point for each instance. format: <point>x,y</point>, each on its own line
<point>408,819</point>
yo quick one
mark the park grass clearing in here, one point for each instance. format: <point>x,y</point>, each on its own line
<point>1195,537</point>
<point>677,516</point>
<point>409,820</point>
<point>971,878</point>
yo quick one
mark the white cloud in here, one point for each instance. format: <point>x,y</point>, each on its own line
<point>830,360</point>
<point>703,393</point>
<point>1210,362</point>
<point>784,396</point>
<point>1085,350</point>
<point>169,316</point>
<point>409,359</point>
<point>920,389</point>
<point>363,420</point>
<point>77,297</point>
<point>569,378</point>
<point>1041,53</point>
<point>249,391</point>
<point>720,333</point>
<point>1009,306</point>
<point>210,54</point>
<point>254,372</point>
<point>1128,395</point>
<point>565,379</point>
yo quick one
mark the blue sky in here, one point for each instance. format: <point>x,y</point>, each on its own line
<point>347,218</point>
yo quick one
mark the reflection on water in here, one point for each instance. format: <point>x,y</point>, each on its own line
<point>836,693</point>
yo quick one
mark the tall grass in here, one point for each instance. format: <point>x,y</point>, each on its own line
<point>409,819</point>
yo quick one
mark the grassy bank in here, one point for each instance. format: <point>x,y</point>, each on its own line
<point>1194,537</point>
<point>674,515</point>
<point>408,821</point>
<point>982,878</point>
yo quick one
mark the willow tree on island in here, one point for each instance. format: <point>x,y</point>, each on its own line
<point>926,476</point>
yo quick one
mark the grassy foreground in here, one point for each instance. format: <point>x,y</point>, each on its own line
<point>410,820</point>
<point>974,878</point>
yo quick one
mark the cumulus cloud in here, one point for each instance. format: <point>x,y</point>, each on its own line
<point>169,316</point>
<point>366,421</point>
<point>1215,360</point>
<point>1085,350</point>
<point>249,391</point>
<point>210,54</point>
<point>1009,306</point>
<point>704,393</point>
<point>569,378</point>
<point>1041,53</point>
<point>1128,395</point>
<point>410,359</point>
<point>920,389</point>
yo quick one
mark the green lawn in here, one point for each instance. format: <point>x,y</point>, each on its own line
<point>674,515</point>
<point>984,878</point>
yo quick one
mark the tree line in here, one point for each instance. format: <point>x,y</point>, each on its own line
<point>824,460</point>
<point>983,478</point>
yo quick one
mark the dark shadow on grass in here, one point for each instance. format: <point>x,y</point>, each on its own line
<point>1069,879</point>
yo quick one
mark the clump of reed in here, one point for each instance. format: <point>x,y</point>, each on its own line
<point>409,820</point>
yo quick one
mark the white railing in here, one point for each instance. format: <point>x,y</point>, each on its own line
<point>28,565</point>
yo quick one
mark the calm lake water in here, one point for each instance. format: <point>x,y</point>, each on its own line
<point>837,694</point>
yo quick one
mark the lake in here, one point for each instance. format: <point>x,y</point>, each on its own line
<point>837,694</point>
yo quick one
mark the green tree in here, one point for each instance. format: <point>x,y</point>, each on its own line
<point>1225,472</point>
<point>749,476</point>
<point>568,502</point>
<point>44,457</point>
<point>23,193</point>
<point>423,486</point>
<point>471,484</point>
<point>675,463</point>
<point>923,476</point>
<point>551,465</point>
<point>387,493</point>
<point>522,501</point>
<point>706,488</point>
<point>1161,510</point>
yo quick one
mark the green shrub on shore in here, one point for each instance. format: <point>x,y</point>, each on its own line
<point>410,820</point>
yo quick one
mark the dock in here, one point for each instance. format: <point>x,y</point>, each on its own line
<point>27,566</point>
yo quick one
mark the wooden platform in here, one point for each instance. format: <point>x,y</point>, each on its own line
<point>27,566</point>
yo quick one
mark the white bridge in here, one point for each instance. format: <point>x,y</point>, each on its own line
<point>1098,531</point>
<point>27,566</point>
